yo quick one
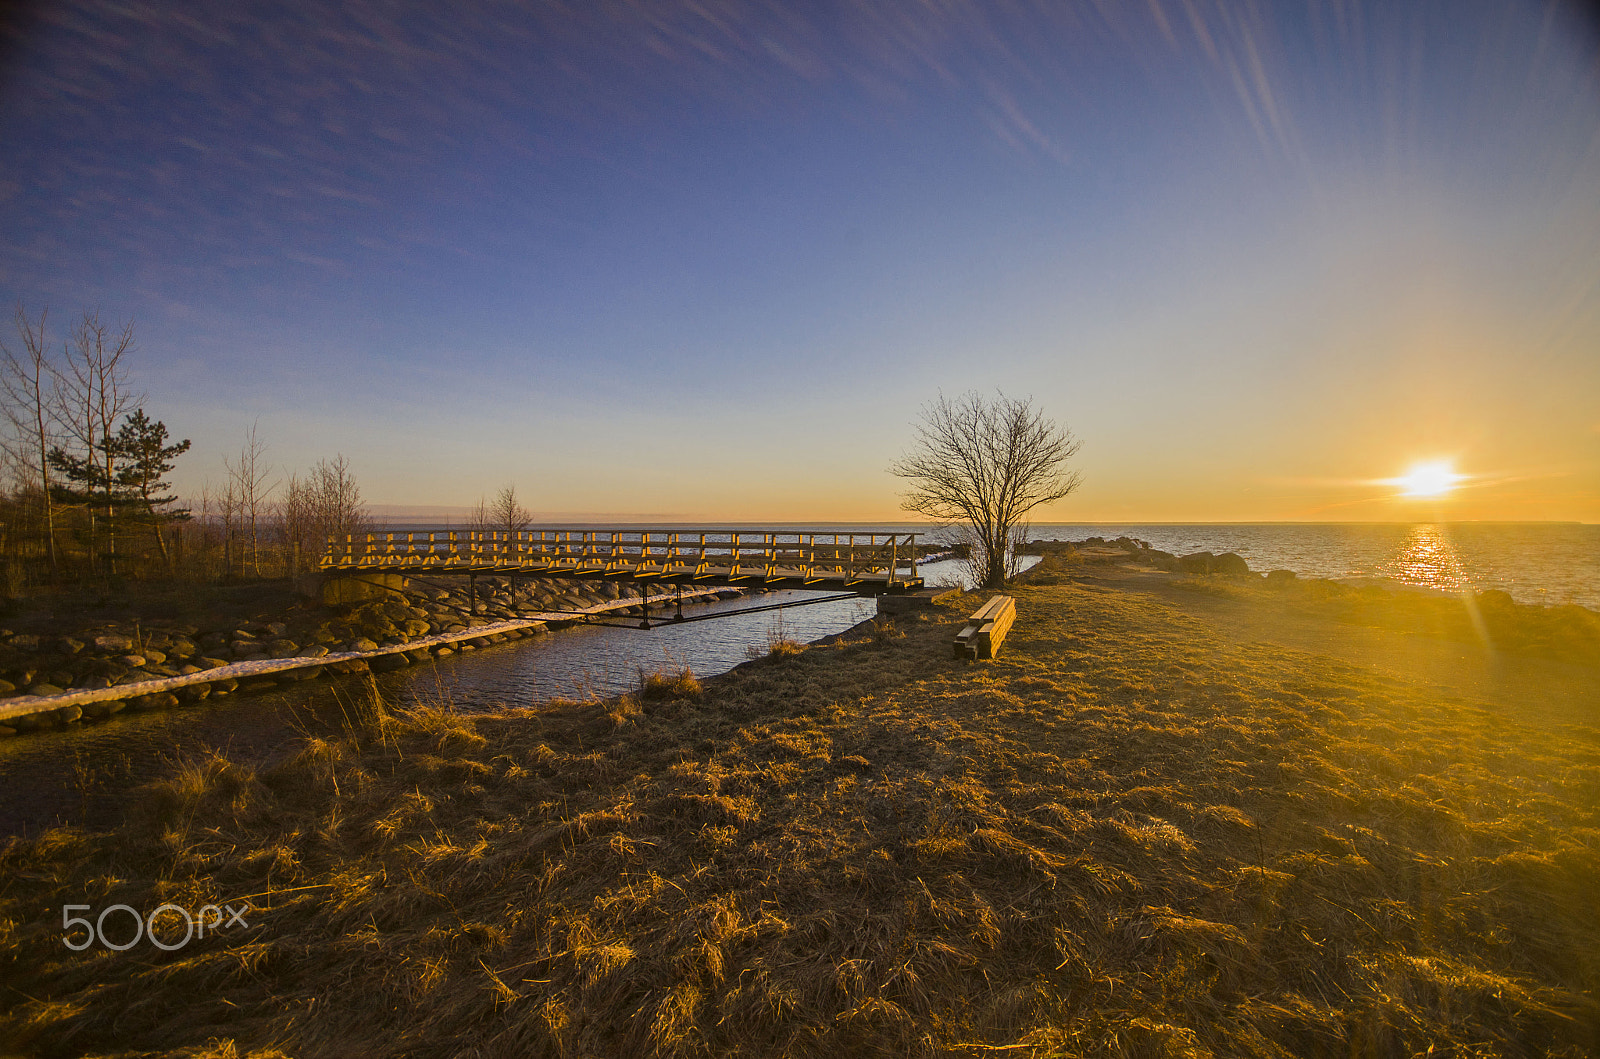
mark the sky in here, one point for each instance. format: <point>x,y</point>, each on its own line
<point>700,261</point>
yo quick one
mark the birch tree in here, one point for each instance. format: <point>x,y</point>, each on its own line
<point>29,385</point>
<point>249,485</point>
<point>92,396</point>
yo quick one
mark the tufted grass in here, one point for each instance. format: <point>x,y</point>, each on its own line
<point>1130,835</point>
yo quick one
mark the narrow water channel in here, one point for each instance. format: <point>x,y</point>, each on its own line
<point>83,774</point>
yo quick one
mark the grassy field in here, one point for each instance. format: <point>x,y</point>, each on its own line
<point>1142,831</point>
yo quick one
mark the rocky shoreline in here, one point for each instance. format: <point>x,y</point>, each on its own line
<point>49,682</point>
<point>1129,549</point>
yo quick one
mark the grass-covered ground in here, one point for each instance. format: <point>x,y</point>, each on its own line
<point>1143,830</point>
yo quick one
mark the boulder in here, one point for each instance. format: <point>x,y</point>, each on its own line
<point>1230,563</point>
<point>1197,563</point>
<point>98,711</point>
<point>362,644</point>
<point>67,714</point>
<point>282,649</point>
<point>44,689</point>
<point>1280,578</point>
<point>67,645</point>
<point>7,688</point>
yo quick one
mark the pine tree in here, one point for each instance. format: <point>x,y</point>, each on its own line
<point>140,445</point>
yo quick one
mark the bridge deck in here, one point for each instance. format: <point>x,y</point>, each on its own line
<point>868,562</point>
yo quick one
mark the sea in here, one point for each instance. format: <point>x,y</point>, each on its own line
<point>1545,563</point>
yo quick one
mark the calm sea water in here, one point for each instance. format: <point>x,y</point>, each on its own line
<point>1536,562</point>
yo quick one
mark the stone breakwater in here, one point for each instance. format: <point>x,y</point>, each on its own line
<point>49,682</point>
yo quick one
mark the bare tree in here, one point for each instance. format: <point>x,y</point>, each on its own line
<point>982,465</point>
<point>506,514</point>
<point>338,508</point>
<point>481,518</point>
<point>92,396</point>
<point>28,384</point>
<point>248,484</point>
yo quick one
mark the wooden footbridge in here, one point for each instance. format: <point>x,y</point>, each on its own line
<point>864,563</point>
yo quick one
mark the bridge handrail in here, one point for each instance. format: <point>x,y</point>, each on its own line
<point>853,555</point>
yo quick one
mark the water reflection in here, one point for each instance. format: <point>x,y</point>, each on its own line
<point>1429,560</point>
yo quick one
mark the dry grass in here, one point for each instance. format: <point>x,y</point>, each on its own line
<point>1126,837</point>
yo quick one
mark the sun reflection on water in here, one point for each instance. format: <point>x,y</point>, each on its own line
<point>1429,560</point>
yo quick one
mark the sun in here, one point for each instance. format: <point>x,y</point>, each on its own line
<point>1428,480</point>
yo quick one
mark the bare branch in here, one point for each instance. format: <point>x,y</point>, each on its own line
<point>985,464</point>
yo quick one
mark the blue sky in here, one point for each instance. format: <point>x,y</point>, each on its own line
<point>702,261</point>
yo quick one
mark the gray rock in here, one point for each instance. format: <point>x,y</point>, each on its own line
<point>69,646</point>
<point>362,644</point>
<point>1280,578</point>
<point>1197,563</point>
<point>1230,563</point>
<point>156,657</point>
<point>44,689</point>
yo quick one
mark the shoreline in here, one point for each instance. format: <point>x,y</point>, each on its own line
<point>48,712</point>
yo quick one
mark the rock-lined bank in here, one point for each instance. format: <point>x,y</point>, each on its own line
<point>107,669</point>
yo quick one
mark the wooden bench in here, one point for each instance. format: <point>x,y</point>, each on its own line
<point>986,629</point>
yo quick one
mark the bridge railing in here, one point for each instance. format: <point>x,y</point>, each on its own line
<point>887,557</point>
